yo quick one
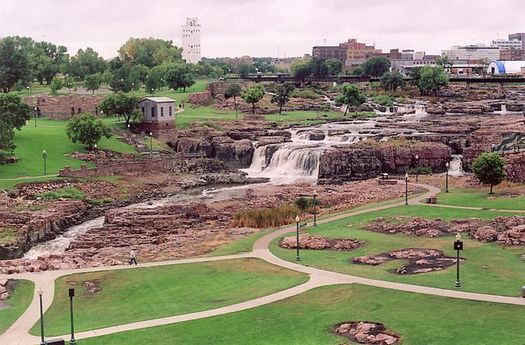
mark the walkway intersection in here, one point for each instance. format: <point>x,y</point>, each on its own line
<point>18,333</point>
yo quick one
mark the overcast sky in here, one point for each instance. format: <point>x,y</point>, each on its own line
<point>264,27</point>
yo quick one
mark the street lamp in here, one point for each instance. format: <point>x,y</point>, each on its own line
<point>458,245</point>
<point>40,293</point>
<point>297,219</point>
<point>35,113</point>
<point>71,295</point>
<point>406,189</point>
<point>447,164</point>
<point>129,127</point>
<point>315,208</point>
<point>150,142</point>
<point>44,156</point>
<point>417,167</point>
<point>29,90</point>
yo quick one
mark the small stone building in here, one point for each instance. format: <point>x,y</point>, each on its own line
<point>158,113</point>
<point>64,107</point>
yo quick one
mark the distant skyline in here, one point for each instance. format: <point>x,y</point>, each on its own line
<point>263,27</point>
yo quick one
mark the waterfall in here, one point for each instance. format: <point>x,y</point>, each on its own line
<point>456,166</point>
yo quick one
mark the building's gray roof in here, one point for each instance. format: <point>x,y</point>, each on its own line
<point>159,99</point>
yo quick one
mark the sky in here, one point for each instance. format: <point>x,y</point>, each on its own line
<point>264,27</point>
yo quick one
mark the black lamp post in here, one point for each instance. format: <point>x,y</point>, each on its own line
<point>417,167</point>
<point>297,219</point>
<point>71,295</point>
<point>447,164</point>
<point>42,341</point>
<point>315,208</point>
<point>150,142</point>
<point>35,113</point>
<point>458,245</point>
<point>406,189</point>
<point>44,156</point>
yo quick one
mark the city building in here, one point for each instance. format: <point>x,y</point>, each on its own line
<point>506,44</point>
<point>191,40</point>
<point>518,37</point>
<point>330,52</point>
<point>472,52</point>
<point>512,55</point>
<point>506,68</point>
<point>158,113</point>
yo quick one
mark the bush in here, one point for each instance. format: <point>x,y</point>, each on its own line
<point>64,193</point>
<point>306,203</point>
<point>266,217</point>
<point>384,100</point>
<point>305,93</point>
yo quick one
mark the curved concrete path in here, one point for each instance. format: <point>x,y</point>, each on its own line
<point>18,334</point>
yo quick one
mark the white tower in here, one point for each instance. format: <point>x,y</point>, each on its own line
<point>191,40</point>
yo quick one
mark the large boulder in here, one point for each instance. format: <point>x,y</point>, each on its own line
<point>235,154</point>
<point>349,164</point>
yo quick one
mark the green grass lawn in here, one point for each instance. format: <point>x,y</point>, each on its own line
<point>199,86</point>
<point>17,304</point>
<point>243,245</point>
<point>482,198</point>
<point>307,319</point>
<point>148,293</point>
<point>489,268</point>
<point>49,135</point>
<point>202,114</point>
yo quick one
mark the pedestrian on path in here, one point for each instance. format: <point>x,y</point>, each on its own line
<point>132,257</point>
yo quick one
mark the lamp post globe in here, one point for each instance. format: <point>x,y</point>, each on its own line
<point>297,256</point>
<point>458,245</point>
<point>417,168</point>
<point>44,157</point>
<point>406,189</point>
<point>447,165</point>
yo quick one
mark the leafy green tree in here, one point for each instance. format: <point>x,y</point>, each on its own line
<point>391,81</point>
<point>489,168</point>
<point>69,83</point>
<point>282,94</point>
<point>149,52</point>
<point>121,104</point>
<point>252,95</point>
<point>356,71</point>
<point>14,64</point>
<point>233,90</point>
<point>351,97</point>
<point>46,60</point>
<point>86,129</point>
<point>85,62</point>
<point>179,76</point>
<point>93,82</point>
<point>432,79</point>
<point>245,70</point>
<point>334,66</point>
<point>13,115</point>
<point>56,84</point>
<point>301,69</point>
<point>319,68</point>
<point>138,75</point>
<point>120,80</point>
<point>376,66</point>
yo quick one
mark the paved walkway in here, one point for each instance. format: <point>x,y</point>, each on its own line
<point>18,333</point>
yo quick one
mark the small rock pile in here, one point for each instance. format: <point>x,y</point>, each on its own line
<point>508,231</point>
<point>307,241</point>
<point>366,333</point>
<point>4,289</point>
<point>420,260</point>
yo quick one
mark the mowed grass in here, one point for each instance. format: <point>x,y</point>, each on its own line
<point>49,135</point>
<point>481,198</point>
<point>193,114</point>
<point>488,268</point>
<point>148,293</point>
<point>199,86</point>
<point>16,304</point>
<point>307,319</point>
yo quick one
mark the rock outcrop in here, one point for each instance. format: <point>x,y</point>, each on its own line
<point>365,332</point>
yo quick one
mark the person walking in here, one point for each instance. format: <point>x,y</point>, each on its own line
<point>132,257</point>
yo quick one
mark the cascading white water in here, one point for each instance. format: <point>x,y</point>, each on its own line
<point>456,166</point>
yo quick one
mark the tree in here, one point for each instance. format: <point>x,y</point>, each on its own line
<point>233,90</point>
<point>431,79</point>
<point>390,81</point>
<point>179,76</point>
<point>489,168</point>
<point>120,76</point>
<point>121,104</point>
<point>319,68</point>
<point>149,52</point>
<point>14,64</point>
<point>13,115</point>
<point>92,82</point>
<point>351,97</point>
<point>86,129</point>
<point>301,69</point>
<point>56,84</point>
<point>334,66</point>
<point>85,62</point>
<point>252,95</point>
<point>69,82</point>
<point>282,95</point>
<point>444,62</point>
<point>376,66</point>
<point>245,70</point>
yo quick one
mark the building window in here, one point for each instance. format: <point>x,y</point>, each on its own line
<point>170,111</point>
<point>79,110</point>
<point>161,111</point>
<point>142,110</point>
<point>72,111</point>
<point>152,111</point>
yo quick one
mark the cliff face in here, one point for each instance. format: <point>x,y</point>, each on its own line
<point>368,160</point>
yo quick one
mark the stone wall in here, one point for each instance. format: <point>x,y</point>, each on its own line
<point>200,98</point>
<point>64,107</point>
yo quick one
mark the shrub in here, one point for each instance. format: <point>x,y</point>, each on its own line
<point>384,100</point>
<point>266,217</point>
<point>305,93</point>
<point>306,203</point>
